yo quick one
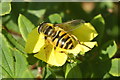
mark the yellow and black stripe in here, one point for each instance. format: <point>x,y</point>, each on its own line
<point>63,40</point>
<point>59,37</point>
<point>46,29</point>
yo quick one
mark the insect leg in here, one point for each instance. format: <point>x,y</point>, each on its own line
<point>75,38</point>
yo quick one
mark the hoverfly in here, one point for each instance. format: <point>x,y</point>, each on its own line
<point>61,35</point>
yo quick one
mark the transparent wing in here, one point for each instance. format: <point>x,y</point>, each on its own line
<point>83,31</point>
<point>70,26</point>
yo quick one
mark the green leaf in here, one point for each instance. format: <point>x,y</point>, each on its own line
<point>21,69</point>
<point>10,24</point>
<point>99,23</point>
<point>5,8</point>
<point>25,26</point>
<point>14,63</point>
<point>7,60</point>
<point>13,41</point>
<point>109,48</point>
<point>38,13</point>
<point>115,68</point>
<point>86,70</point>
<point>73,71</point>
<point>55,18</point>
<point>48,73</point>
<point>107,75</point>
<point>96,67</point>
<point>58,72</point>
<point>100,67</point>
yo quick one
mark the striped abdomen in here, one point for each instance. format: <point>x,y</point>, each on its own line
<point>63,40</point>
<point>57,36</point>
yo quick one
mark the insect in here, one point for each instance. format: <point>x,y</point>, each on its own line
<point>55,43</point>
<point>60,35</point>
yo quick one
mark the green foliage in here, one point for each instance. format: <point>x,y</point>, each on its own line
<point>13,41</point>
<point>5,8</point>
<point>12,62</point>
<point>99,24</point>
<point>25,26</point>
<point>55,18</point>
<point>115,69</point>
<point>101,62</point>
<point>73,71</point>
<point>110,48</point>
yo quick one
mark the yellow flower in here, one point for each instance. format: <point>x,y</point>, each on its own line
<point>45,50</point>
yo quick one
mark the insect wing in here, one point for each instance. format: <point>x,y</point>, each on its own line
<point>70,26</point>
<point>84,32</point>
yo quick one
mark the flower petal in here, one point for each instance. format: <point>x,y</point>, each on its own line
<point>88,44</point>
<point>34,41</point>
<point>50,55</point>
<point>76,50</point>
<point>82,48</point>
<point>85,33</point>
